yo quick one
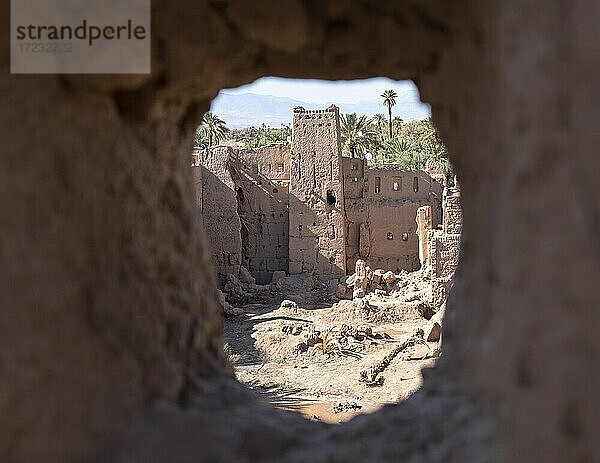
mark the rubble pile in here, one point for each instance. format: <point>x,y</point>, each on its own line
<point>340,407</point>
<point>338,340</point>
<point>244,288</point>
<point>365,280</point>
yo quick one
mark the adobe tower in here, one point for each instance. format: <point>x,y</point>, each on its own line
<point>316,202</point>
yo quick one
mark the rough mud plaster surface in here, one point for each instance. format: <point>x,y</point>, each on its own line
<point>108,306</point>
<point>245,195</point>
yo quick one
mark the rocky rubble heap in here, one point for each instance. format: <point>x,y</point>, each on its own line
<point>244,288</point>
<point>365,280</point>
<point>345,339</point>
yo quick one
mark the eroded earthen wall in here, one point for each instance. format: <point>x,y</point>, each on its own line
<point>317,238</point>
<point>245,197</point>
<point>219,208</point>
<point>380,207</point>
<point>262,192</point>
<point>452,223</point>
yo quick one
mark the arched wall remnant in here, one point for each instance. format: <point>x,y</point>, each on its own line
<point>111,338</point>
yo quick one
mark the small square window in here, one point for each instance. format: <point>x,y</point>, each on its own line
<point>390,236</point>
<point>280,168</point>
<point>404,236</point>
<point>355,179</point>
<point>354,167</point>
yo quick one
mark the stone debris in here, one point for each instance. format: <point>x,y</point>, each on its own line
<point>227,308</point>
<point>245,289</point>
<point>370,376</point>
<point>312,338</point>
<point>364,280</point>
<point>389,277</point>
<point>245,276</point>
<point>377,275</point>
<point>287,304</point>
<point>433,329</point>
<point>340,407</point>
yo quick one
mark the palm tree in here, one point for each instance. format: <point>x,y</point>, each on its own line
<point>200,140</point>
<point>357,133</point>
<point>397,123</point>
<point>379,119</point>
<point>213,127</point>
<point>406,155</point>
<point>389,100</point>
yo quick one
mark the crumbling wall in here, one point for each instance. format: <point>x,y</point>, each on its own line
<point>386,202</point>
<point>443,247</point>
<point>437,171</point>
<point>424,225</point>
<point>246,209</point>
<point>452,223</point>
<point>219,206</point>
<point>317,224</point>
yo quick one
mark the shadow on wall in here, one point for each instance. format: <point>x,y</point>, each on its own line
<point>245,215</point>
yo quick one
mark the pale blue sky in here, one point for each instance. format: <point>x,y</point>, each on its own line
<point>322,91</point>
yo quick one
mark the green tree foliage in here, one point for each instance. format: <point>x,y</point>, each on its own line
<point>414,143</point>
<point>252,137</point>
<point>411,144</point>
<point>200,139</point>
<point>213,128</point>
<point>379,121</point>
<point>357,133</point>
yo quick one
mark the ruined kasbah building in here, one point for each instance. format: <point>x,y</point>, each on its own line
<point>303,208</point>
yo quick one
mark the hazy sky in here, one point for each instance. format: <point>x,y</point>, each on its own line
<point>322,91</point>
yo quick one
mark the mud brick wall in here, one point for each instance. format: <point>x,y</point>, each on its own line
<point>246,195</point>
<point>262,192</point>
<point>219,208</point>
<point>381,207</point>
<point>444,253</point>
<point>452,222</point>
<point>316,208</point>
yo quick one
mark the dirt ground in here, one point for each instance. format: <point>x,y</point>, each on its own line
<point>307,354</point>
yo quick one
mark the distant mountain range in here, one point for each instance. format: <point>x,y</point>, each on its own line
<point>241,110</point>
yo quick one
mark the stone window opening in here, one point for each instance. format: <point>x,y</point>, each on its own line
<point>317,249</point>
<point>404,236</point>
<point>416,184</point>
<point>331,198</point>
